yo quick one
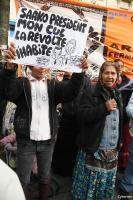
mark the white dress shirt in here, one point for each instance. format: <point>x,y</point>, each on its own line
<point>40,127</point>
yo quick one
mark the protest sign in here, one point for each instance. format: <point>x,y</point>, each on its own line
<point>110,30</point>
<point>110,34</point>
<point>45,39</point>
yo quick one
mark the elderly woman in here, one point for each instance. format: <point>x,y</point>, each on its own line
<point>100,117</point>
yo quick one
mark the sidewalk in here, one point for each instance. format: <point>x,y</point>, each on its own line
<point>61,187</point>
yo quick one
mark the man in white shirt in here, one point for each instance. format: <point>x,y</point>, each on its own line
<point>35,122</point>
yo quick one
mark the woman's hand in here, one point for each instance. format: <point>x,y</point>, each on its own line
<point>111,105</point>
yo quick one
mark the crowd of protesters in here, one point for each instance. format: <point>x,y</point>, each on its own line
<point>67,123</point>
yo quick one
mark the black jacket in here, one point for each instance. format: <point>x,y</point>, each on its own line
<point>91,115</point>
<point>19,91</point>
<point>68,118</point>
<point>126,94</point>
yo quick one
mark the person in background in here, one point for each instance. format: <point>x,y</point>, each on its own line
<point>94,81</point>
<point>126,185</point>
<point>99,139</point>
<point>123,80</point>
<point>35,121</point>
<point>10,186</point>
<point>65,150</point>
<point>3,103</point>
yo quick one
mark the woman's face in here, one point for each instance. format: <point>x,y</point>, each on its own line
<point>109,76</point>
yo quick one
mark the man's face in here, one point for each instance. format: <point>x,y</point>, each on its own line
<point>120,67</point>
<point>39,72</point>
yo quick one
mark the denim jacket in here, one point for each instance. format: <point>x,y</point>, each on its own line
<point>111,131</point>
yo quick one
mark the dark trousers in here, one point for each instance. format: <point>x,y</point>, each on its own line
<point>25,156</point>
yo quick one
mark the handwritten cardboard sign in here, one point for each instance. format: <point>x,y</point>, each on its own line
<point>45,39</point>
